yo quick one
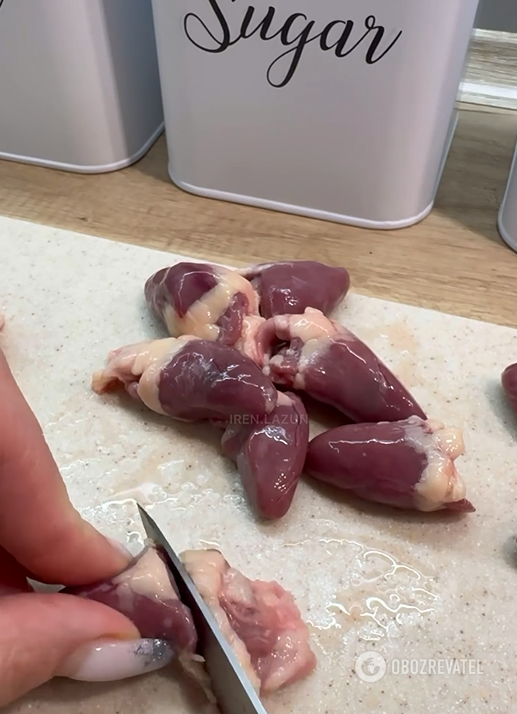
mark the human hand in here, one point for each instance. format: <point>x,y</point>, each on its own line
<point>43,537</point>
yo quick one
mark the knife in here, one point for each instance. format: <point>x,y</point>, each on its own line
<point>231,687</point>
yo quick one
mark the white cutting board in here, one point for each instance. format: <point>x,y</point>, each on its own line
<point>415,586</point>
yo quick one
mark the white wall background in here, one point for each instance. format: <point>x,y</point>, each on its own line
<point>497,15</point>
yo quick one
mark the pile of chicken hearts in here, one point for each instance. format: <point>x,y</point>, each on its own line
<point>246,347</point>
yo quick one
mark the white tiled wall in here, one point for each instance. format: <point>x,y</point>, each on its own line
<point>498,15</point>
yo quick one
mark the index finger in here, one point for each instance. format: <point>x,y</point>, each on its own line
<point>38,524</point>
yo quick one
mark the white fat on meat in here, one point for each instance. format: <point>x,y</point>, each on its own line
<point>207,569</point>
<point>252,269</point>
<point>440,482</point>
<point>202,317</point>
<point>138,368</point>
<point>248,343</point>
<point>260,621</point>
<point>149,577</point>
<point>449,438</point>
<point>314,330</point>
<point>312,325</point>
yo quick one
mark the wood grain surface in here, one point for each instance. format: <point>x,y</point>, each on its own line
<point>491,70</point>
<point>453,261</point>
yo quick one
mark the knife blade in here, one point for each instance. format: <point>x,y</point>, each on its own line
<point>231,687</point>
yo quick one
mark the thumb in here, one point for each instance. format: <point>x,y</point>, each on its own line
<point>45,635</point>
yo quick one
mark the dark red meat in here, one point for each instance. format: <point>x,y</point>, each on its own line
<point>260,620</point>
<point>189,379</point>
<point>203,300</point>
<point>317,355</point>
<point>407,464</point>
<point>509,382</point>
<point>179,286</point>
<point>270,454</point>
<point>288,288</point>
<point>146,594</point>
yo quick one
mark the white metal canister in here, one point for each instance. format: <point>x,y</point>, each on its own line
<point>79,83</point>
<point>336,109</point>
<point>507,219</point>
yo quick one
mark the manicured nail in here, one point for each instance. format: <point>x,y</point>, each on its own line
<point>111,660</point>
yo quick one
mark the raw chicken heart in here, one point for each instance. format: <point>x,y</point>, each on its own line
<point>288,288</point>
<point>146,594</point>
<point>321,357</point>
<point>509,382</point>
<point>204,300</point>
<point>260,620</point>
<point>407,464</point>
<point>189,379</point>
<point>270,454</point>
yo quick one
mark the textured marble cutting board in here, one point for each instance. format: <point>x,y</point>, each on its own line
<point>407,586</point>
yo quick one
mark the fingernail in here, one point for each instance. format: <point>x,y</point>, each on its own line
<point>111,660</point>
<point>121,548</point>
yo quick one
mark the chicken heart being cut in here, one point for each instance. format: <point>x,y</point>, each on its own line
<point>260,620</point>
<point>147,594</point>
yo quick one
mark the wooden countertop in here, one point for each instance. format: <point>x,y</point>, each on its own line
<point>453,261</point>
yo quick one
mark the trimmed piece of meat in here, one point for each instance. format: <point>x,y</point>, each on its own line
<point>204,300</point>
<point>269,454</point>
<point>260,621</point>
<point>317,355</point>
<point>288,288</point>
<point>146,594</point>
<point>189,379</point>
<point>509,383</point>
<point>407,464</point>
